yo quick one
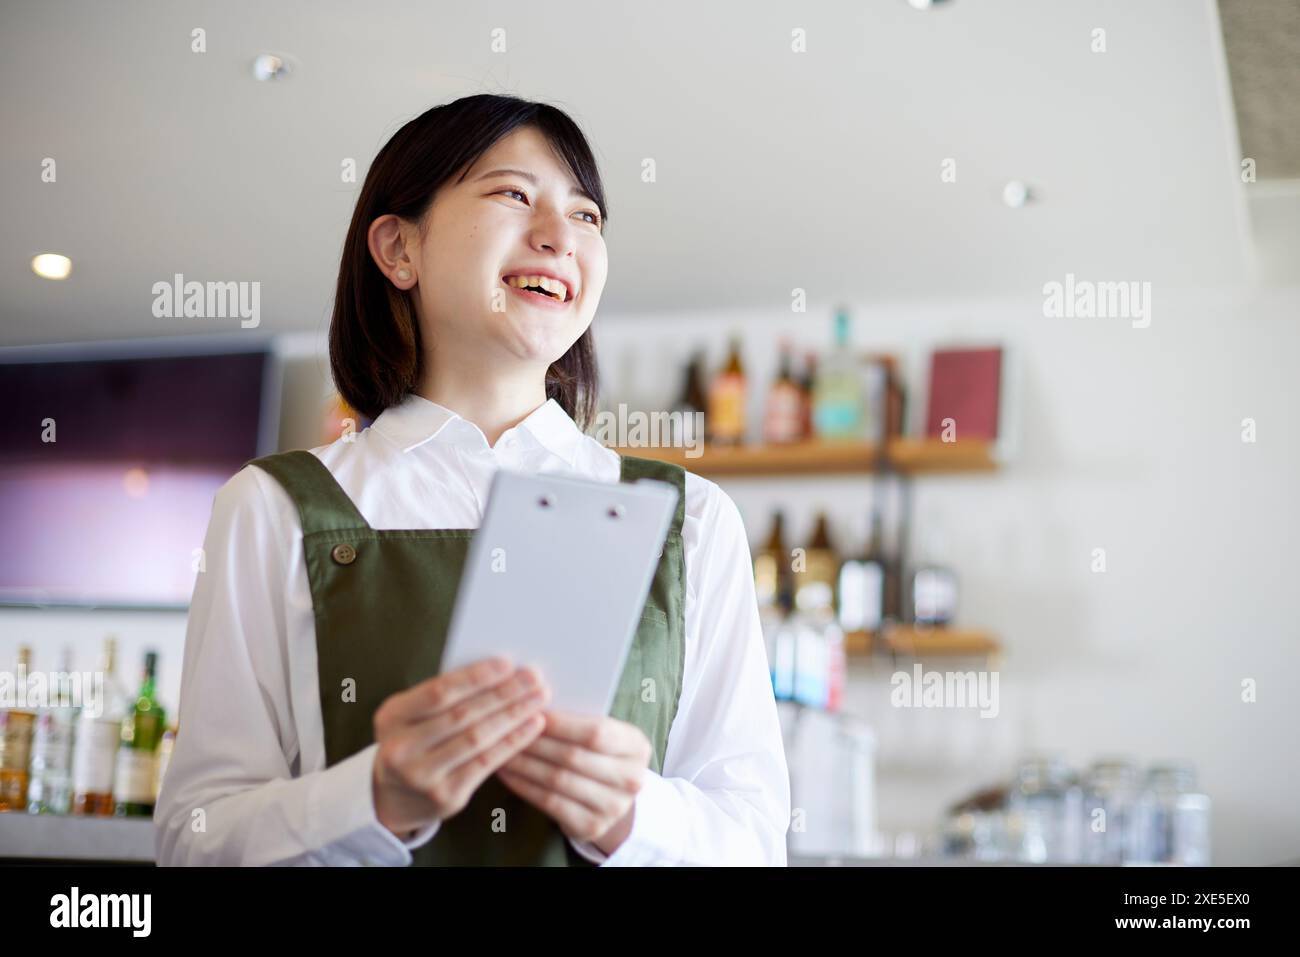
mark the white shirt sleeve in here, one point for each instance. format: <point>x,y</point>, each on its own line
<point>724,795</point>
<point>232,794</point>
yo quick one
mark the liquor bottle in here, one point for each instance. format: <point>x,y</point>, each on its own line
<point>837,390</point>
<point>49,790</point>
<point>137,756</point>
<point>862,586</point>
<point>814,577</point>
<point>99,730</point>
<point>783,415</point>
<point>806,383</point>
<point>816,657</point>
<point>16,726</point>
<point>895,399</point>
<point>692,405</point>
<point>773,581</point>
<point>726,420</point>
<point>933,586</point>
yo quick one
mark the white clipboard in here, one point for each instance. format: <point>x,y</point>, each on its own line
<point>557,576</point>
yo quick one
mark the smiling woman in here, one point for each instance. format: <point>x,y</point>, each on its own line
<point>436,248</point>
<point>320,726</point>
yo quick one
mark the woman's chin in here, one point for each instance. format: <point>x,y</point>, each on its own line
<point>541,337</point>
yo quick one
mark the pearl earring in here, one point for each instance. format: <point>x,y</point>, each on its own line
<point>403,274</point>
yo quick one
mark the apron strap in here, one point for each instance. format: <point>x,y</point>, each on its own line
<point>633,468</point>
<point>323,506</point>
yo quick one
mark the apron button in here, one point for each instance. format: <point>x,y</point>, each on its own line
<point>344,554</point>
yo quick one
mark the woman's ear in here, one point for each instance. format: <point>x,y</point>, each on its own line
<point>386,240</point>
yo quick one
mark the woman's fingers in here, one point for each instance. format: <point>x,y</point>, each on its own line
<point>604,735</point>
<point>620,773</point>
<point>521,692</point>
<point>482,736</point>
<point>594,794</point>
<point>574,818</point>
<point>441,692</point>
<point>465,778</point>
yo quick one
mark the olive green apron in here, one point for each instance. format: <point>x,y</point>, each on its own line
<point>383,600</point>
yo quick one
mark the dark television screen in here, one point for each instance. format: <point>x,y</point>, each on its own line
<point>108,467</point>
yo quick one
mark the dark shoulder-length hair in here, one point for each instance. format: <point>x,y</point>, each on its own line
<point>375,351</point>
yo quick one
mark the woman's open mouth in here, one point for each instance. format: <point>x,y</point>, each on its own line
<point>540,290</point>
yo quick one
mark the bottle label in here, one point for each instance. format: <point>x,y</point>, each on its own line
<point>727,407</point>
<point>93,756</point>
<point>134,781</point>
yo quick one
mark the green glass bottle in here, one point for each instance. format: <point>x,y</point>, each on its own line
<point>137,758</point>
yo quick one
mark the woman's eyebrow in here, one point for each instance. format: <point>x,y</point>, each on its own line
<point>524,174</point>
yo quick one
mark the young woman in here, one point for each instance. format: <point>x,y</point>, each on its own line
<point>316,726</point>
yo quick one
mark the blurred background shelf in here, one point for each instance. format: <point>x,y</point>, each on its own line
<point>909,456</point>
<point>25,838</point>
<point>921,642</point>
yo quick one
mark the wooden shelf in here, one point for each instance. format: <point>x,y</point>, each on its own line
<point>931,456</point>
<point>922,642</point>
<point>912,456</point>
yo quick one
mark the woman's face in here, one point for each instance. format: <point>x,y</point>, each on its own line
<point>493,225</point>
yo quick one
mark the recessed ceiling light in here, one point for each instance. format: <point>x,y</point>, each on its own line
<point>51,266</point>
<point>1016,194</point>
<point>271,66</point>
<point>924,4</point>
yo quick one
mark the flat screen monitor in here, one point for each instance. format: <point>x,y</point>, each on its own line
<point>109,461</point>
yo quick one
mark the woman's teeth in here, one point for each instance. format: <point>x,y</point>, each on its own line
<point>552,287</point>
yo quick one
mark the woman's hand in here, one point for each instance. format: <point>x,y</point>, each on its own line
<point>440,739</point>
<point>584,772</point>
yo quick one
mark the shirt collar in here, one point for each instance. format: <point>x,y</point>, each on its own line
<point>417,420</point>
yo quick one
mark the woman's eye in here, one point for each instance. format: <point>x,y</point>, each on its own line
<point>523,198</point>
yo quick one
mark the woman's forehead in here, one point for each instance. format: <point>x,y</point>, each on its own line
<point>523,151</point>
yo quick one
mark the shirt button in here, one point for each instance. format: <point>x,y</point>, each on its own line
<point>344,554</point>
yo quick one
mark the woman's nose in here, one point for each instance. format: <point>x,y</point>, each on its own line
<point>552,231</point>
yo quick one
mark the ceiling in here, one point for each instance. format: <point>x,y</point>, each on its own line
<point>775,170</point>
<point>1262,40</point>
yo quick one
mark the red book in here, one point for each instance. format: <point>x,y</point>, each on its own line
<point>964,387</point>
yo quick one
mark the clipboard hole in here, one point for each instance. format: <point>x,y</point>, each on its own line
<point>545,501</point>
<point>615,511</point>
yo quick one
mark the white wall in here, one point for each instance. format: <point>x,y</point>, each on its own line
<point>1129,441</point>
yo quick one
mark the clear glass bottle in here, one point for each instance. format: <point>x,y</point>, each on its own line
<point>837,391</point>
<point>1110,792</point>
<point>861,586</point>
<point>50,788</point>
<point>98,733</point>
<point>1047,803</point>
<point>1173,818</point>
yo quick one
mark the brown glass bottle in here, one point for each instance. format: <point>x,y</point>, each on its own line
<point>725,423</point>
<point>773,581</point>
<point>814,577</point>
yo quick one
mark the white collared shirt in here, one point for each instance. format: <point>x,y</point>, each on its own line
<point>247,782</point>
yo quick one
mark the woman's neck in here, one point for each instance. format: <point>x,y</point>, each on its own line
<point>494,403</point>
